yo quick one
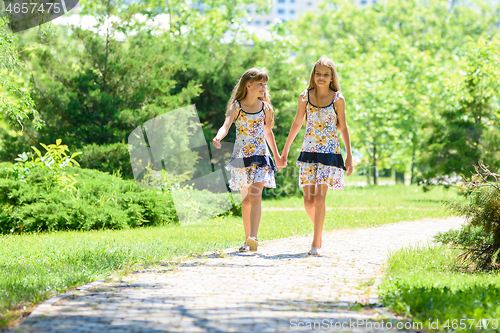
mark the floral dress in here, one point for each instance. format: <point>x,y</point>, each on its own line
<point>320,160</point>
<point>250,162</point>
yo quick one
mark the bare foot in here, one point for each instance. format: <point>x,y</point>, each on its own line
<point>320,244</point>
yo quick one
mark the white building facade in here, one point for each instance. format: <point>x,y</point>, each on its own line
<point>281,11</point>
<point>286,10</point>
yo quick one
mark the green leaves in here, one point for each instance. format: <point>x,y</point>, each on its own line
<point>416,75</point>
<point>466,123</point>
<point>98,201</point>
<point>15,100</point>
<point>424,283</point>
<point>398,68</point>
<point>482,209</point>
<point>54,159</point>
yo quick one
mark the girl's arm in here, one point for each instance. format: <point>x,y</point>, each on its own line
<point>222,132</point>
<point>269,135</point>
<point>297,124</point>
<point>344,130</point>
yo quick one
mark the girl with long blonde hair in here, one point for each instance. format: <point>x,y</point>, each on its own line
<point>321,164</point>
<point>251,165</point>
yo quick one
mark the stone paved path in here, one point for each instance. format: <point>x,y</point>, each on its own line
<point>274,290</point>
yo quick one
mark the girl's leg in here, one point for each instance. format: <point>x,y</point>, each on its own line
<point>319,213</point>
<point>309,192</point>
<point>245,210</point>
<point>255,211</point>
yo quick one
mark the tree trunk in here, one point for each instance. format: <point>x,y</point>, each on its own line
<point>368,178</point>
<point>412,181</point>
<point>400,177</point>
<point>375,163</point>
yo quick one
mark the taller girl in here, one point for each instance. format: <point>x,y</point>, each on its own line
<point>251,165</point>
<point>320,161</point>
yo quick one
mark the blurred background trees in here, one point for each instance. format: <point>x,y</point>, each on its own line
<point>419,78</point>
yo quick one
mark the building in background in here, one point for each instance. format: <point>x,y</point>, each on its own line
<point>365,2</point>
<point>286,10</point>
<point>281,11</point>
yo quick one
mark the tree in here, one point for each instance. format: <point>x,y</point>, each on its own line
<point>15,101</point>
<point>95,88</point>
<point>469,117</point>
<point>404,51</point>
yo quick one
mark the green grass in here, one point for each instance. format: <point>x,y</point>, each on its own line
<point>408,197</point>
<point>36,266</point>
<point>428,285</point>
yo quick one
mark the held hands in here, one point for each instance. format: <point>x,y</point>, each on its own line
<point>284,157</point>
<point>348,165</point>
<point>280,161</point>
<point>217,143</point>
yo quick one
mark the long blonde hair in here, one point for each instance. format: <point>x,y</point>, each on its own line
<point>327,62</point>
<point>334,84</point>
<point>240,89</point>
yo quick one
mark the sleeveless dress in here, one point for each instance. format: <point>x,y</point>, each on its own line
<point>250,162</point>
<point>320,160</point>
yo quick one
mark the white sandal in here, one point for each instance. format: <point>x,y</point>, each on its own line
<point>244,247</point>
<point>314,251</point>
<point>253,243</point>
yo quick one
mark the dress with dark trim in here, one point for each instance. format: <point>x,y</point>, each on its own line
<point>320,160</point>
<point>250,162</point>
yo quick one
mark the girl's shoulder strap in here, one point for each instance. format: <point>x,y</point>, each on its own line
<point>265,106</point>
<point>237,106</point>
<point>338,95</point>
<point>305,95</point>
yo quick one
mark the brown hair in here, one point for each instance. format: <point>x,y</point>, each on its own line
<point>240,89</point>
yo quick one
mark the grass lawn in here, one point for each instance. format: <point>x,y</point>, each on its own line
<point>426,284</point>
<point>398,196</point>
<point>36,266</point>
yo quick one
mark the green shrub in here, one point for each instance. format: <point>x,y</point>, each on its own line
<point>4,165</point>
<point>110,158</point>
<point>55,159</point>
<point>99,201</point>
<point>482,209</point>
<point>47,193</point>
<point>468,236</point>
<point>198,205</point>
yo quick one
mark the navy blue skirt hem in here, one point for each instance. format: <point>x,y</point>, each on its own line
<point>335,160</point>
<point>259,160</point>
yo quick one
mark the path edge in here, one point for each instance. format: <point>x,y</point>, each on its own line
<point>40,310</point>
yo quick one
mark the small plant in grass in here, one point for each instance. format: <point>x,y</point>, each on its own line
<point>480,239</point>
<point>55,159</point>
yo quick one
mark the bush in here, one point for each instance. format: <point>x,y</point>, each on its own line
<point>99,201</point>
<point>482,209</point>
<point>107,158</point>
<point>467,237</point>
<point>198,205</point>
<point>48,193</point>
